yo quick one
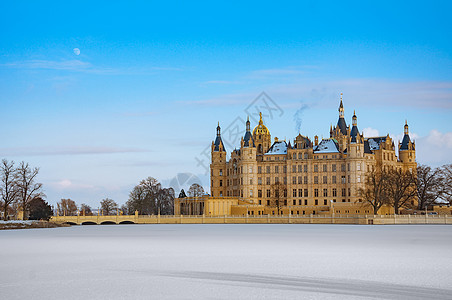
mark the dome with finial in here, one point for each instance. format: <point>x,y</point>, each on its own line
<point>261,129</point>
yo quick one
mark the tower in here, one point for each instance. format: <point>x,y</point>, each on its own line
<point>407,150</point>
<point>261,136</point>
<point>218,166</point>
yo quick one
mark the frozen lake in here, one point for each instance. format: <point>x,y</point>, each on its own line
<point>227,262</point>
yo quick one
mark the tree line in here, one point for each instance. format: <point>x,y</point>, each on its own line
<point>20,191</point>
<point>148,198</point>
<point>400,189</point>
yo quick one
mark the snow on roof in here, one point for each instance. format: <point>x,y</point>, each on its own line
<point>279,147</point>
<point>327,146</point>
<point>374,142</point>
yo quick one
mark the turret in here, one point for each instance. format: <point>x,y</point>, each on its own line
<point>407,151</point>
<point>261,136</point>
<point>218,166</point>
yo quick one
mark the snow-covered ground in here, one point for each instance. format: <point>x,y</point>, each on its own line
<point>227,262</point>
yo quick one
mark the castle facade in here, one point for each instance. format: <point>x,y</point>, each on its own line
<point>299,177</point>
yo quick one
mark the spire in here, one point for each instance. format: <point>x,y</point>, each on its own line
<point>405,145</point>
<point>405,128</point>
<point>341,109</point>
<point>354,119</point>
<point>354,133</point>
<point>248,124</point>
<point>218,129</point>
<point>260,118</point>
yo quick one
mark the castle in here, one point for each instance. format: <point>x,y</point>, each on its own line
<point>305,177</point>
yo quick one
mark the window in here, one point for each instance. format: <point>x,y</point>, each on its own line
<point>267,169</point>
<point>333,179</point>
<point>348,178</point>
<point>358,179</point>
<point>294,169</point>
<point>325,192</point>
<point>268,202</point>
<point>285,195</point>
<point>221,194</point>
<point>316,168</point>
<point>334,192</point>
<point>284,169</point>
<point>300,168</point>
<point>294,202</point>
<point>221,182</point>
<point>305,180</point>
<point>343,193</point>
<point>349,192</point>
<point>268,194</point>
<point>299,202</point>
<point>251,193</point>
<point>268,180</point>
<point>259,195</point>
<point>305,156</point>
<point>305,192</point>
<point>333,167</point>
<point>294,180</point>
<point>316,192</point>
<point>343,179</point>
<point>285,179</point>
<point>276,179</point>
<point>325,168</point>
<point>305,167</point>
<point>358,167</point>
<point>251,181</point>
<point>259,180</point>
<point>221,172</point>
<point>305,203</point>
<point>299,179</point>
<point>316,202</point>
<point>348,167</point>
<point>259,170</point>
<point>343,167</point>
<point>316,179</point>
<point>294,156</point>
<point>276,169</point>
<point>300,192</point>
<point>325,202</point>
<point>250,169</point>
<point>294,193</point>
<point>325,179</point>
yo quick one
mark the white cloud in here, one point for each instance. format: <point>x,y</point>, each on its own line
<point>72,150</point>
<point>434,149</point>
<point>370,132</point>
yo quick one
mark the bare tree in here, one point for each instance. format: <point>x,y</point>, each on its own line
<point>401,189</point>
<point>446,187</point>
<point>66,207</point>
<point>85,210</point>
<point>375,190</point>
<point>429,185</point>
<point>148,197</point>
<point>279,195</point>
<point>9,190</point>
<point>28,188</point>
<point>195,190</point>
<point>108,206</point>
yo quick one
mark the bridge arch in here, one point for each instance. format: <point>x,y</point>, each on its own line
<point>108,223</point>
<point>127,222</point>
<point>70,223</point>
<point>89,223</point>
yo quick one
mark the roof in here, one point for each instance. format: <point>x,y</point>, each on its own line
<point>354,133</point>
<point>405,142</point>
<point>327,146</point>
<point>217,143</point>
<point>342,126</point>
<point>374,142</point>
<point>248,140</point>
<point>279,147</point>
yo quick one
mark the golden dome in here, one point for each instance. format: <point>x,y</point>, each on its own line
<point>261,128</point>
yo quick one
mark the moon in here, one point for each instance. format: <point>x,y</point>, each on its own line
<point>76,51</point>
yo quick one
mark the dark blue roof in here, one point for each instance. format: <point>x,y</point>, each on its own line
<point>248,140</point>
<point>354,133</point>
<point>405,142</point>
<point>217,143</point>
<point>342,126</point>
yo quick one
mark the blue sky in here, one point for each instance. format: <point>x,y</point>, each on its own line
<point>152,79</point>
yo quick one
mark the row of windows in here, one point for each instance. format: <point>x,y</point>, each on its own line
<point>295,180</point>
